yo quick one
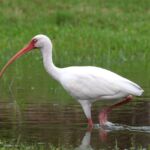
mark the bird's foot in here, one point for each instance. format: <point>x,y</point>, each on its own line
<point>103,117</point>
<point>90,124</point>
<point>103,114</point>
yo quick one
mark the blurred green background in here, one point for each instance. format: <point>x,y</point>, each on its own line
<point>113,34</point>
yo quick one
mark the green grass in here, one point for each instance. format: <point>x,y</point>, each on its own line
<point>113,34</point>
<point>102,32</point>
<point>41,146</point>
<point>4,146</point>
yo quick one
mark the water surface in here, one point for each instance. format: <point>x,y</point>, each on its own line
<point>66,125</point>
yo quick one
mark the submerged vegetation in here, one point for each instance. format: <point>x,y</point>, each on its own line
<point>42,146</point>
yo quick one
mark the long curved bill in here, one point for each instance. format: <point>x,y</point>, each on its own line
<point>24,50</point>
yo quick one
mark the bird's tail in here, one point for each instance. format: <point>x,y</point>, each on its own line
<point>134,89</point>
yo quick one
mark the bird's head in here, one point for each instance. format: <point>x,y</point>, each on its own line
<point>38,41</point>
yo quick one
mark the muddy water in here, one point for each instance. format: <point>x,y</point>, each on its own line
<point>66,125</point>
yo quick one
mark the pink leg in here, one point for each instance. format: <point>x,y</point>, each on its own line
<point>90,123</point>
<point>104,112</point>
<point>103,117</point>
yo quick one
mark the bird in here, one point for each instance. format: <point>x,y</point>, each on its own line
<point>86,84</point>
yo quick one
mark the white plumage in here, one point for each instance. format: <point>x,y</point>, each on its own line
<point>93,83</point>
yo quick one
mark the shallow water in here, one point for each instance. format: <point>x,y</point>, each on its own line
<point>66,125</point>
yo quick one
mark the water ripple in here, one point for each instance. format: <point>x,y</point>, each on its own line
<point>115,127</point>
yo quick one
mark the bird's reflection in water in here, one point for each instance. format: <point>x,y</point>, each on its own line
<point>104,131</point>
<point>85,142</point>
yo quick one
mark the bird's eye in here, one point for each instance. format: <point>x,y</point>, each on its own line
<point>34,40</point>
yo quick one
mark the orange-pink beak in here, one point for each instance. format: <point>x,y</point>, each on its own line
<point>26,49</point>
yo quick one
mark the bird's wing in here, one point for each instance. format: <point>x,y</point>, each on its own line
<point>89,83</point>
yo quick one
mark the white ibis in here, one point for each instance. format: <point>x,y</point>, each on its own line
<point>86,84</point>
